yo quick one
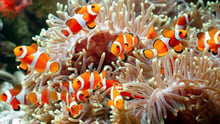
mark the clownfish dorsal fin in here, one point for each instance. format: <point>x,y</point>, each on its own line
<point>168,33</point>
<point>34,46</point>
<point>79,10</point>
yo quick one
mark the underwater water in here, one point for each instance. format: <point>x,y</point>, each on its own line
<point>110,61</point>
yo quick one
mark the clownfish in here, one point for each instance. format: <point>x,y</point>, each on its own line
<point>64,85</point>
<point>151,34</point>
<point>40,97</point>
<point>15,97</point>
<point>182,22</point>
<point>210,40</point>
<point>105,84</point>
<point>124,43</point>
<point>29,56</point>
<point>116,98</point>
<point>85,16</point>
<point>87,80</point>
<point>172,38</point>
<point>72,106</point>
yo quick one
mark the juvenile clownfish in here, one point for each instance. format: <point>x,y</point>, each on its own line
<point>87,80</point>
<point>182,22</point>
<point>171,39</point>
<point>116,98</point>
<point>15,97</point>
<point>29,56</point>
<point>76,109</point>
<point>85,15</point>
<point>123,44</point>
<point>151,34</point>
<point>210,40</point>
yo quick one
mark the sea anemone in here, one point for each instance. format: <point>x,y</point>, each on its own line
<point>186,92</point>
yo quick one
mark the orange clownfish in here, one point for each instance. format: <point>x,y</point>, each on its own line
<point>210,40</point>
<point>76,109</point>
<point>64,85</point>
<point>87,80</point>
<point>106,84</point>
<point>28,55</point>
<point>15,97</point>
<point>151,34</point>
<point>85,15</point>
<point>182,22</point>
<point>124,43</point>
<point>116,98</point>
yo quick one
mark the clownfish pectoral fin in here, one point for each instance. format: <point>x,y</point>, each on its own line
<point>161,47</point>
<point>23,66</point>
<point>149,53</point>
<point>168,33</point>
<point>123,57</point>
<point>65,32</point>
<point>110,103</point>
<point>91,25</point>
<point>16,107</point>
<point>178,49</point>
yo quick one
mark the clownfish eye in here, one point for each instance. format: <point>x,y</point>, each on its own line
<point>93,6</point>
<point>20,49</point>
<point>4,94</point>
<point>81,95</point>
<point>78,82</point>
<point>180,32</point>
<point>117,47</point>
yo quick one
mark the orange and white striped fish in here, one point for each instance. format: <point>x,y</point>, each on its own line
<point>116,98</point>
<point>171,39</point>
<point>72,106</point>
<point>182,21</point>
<point>210,40</point>
<point>87,80</point>
<point>85,15</point>
<point>30,57</point>
<point>123,44</point>
<point>106,84</point>
<point>64,85</point>
<point>15,97</point>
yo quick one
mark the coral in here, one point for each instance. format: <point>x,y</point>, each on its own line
<point>187,91</point>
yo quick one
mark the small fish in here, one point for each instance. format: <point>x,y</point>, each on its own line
<point>64,85</point>
<point>40,97</point>
<point>30,57</point>
<point>15,97</point>
<point>174,34</point>
<point>151,34</point>
<point>210,40</point>
<point>85,16</point>
<point>116,98</point>
<point>76,109</point>
<point>123,44</point>
<point>87,80</point>
<point>106,84</point>
<point>182,22</point>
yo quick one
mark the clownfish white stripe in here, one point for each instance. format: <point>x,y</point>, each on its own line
<point>21,96</point>
<point>89,8</point>
<point>117,98</point>
<point>80,20</point>
<point>154,51</point>
<point>177,27</point>
<point>73,103</point>
<point>112,93</point>
<point>177,35</point>
<point>187,18</point>
<point>120,47</point>
<point>78,95</point>
<point>91,80</point>
<point>38,96</point>
<point>71,90</point>
<point>207,37</point>
<point>104,83</point>
<point>82,82</point>
<point>36,57</point>
<point>9,96</point>
<point>216,37</point>
<point>125,39</point>
<point>24,53</point>
<point>58,96</point>
<point>166,41</point>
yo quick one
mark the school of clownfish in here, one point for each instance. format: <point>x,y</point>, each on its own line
<point>75,92</point>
